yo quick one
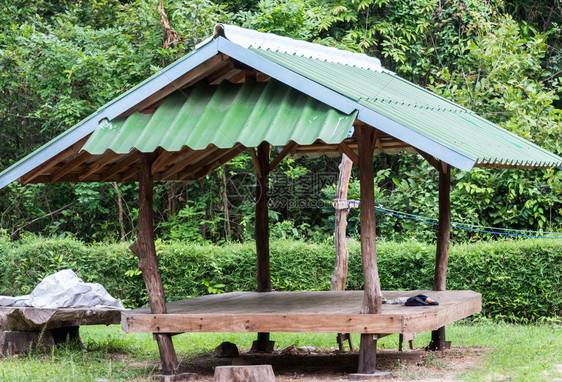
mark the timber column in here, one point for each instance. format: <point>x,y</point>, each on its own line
<point>372,296</point>
<point>438,341</point>
<point>262,235</point>
<point>148,262</point>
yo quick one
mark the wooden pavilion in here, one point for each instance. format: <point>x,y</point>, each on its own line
<point>244,90</point>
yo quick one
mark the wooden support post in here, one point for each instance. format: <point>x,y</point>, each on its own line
<point>262,235</point>
<point>148,262</point>
<point>438,341</point>
<point>262,220</point>
<point>342,256</point>
<point>372,295</point>
<point>340,270</point>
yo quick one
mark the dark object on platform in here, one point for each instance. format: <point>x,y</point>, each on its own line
<point>420,300</point>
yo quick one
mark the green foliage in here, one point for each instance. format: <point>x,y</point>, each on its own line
<point>291,18</point>
<point>62,60</point>
<point>503,80</point>
<point>519,280</point>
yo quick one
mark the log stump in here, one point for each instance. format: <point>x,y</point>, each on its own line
<point>254,373</point>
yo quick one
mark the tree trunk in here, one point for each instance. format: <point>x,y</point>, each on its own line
<point>340,270</point>
<point>148,262</point>
<point>438,341</point>
<point>372,297</point>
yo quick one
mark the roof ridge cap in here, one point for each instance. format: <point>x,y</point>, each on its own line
<point>250,38</point>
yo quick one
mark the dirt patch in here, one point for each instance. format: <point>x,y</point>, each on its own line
<point>335,366</point>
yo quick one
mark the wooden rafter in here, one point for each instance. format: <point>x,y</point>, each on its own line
<point>193,171</point>
<point>262,77</point>
<point>198,73</point>
<point>65,154</point>
<point>349,152</point>
<point>127,175</point>
<point>218,75</point>
<point>432,161</point>
<point>119,166</point>
<point>69,166</point>
<point>218,163</point>
<point>180,166</point>
<point>99,164</point>
<point>289,147</point>
<point>239,77</point>
<point>255,161</point>
<point>161,161</point>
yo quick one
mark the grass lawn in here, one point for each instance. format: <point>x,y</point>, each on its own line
<point>515,353</point>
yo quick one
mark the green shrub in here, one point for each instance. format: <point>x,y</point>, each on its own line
<point>519,280</point>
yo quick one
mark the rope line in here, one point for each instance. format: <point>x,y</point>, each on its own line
<point>468,227</point>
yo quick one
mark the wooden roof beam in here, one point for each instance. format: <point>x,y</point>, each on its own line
<point>99,164</point>
<point>214,63</point>
<point>130,173</point>
<point>209,157</point>
<point>49,164</point>
<point>225,159</point>
<point>69,166</point>
<point>289,147</point>
<point>432,161</point>
<point>186,162</point>
<point>255,161</point>
<point>349,152</point>
<point>120,166</point>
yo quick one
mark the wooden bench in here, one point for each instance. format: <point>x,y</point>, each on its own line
<point>23,328</point>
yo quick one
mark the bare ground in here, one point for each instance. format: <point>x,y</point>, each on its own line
<point>335,366</point>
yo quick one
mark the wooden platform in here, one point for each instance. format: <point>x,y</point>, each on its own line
<point>304,312</point>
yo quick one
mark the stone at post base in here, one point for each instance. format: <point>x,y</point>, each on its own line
<point>181,377</point>
<point>376,374</point>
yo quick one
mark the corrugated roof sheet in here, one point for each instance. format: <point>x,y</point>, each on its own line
<point>420,110</point>
<point>223,116</point>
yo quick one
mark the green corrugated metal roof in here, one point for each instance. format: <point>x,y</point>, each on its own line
<point>222,116</point>
<point>419,110</point>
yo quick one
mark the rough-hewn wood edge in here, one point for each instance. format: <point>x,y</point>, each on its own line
<point>426,321</point>
<point>261,322</point>
<point>27,318</point>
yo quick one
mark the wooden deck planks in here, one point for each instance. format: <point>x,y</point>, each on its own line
<point>307,312</point>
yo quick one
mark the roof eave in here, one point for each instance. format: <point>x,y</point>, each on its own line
<point>109,111</point>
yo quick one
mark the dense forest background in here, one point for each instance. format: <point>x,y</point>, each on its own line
<point>61,60</point>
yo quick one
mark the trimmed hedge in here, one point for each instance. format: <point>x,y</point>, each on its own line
<point>519,280</point>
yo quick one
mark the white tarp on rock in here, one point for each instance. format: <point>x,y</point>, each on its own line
<point>65,290</point>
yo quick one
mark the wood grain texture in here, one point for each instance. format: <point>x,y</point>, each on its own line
<point>367,354</point>
<point>145,249</point>
<point>27,319</point>
<point>262,220</point>
<point>372,299</point>
<point>339,278</point>
<point>260,322</point>
<point>253,373</point>
<point>438,337</point>
<point>444,228</point>
<point>307,312</point>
